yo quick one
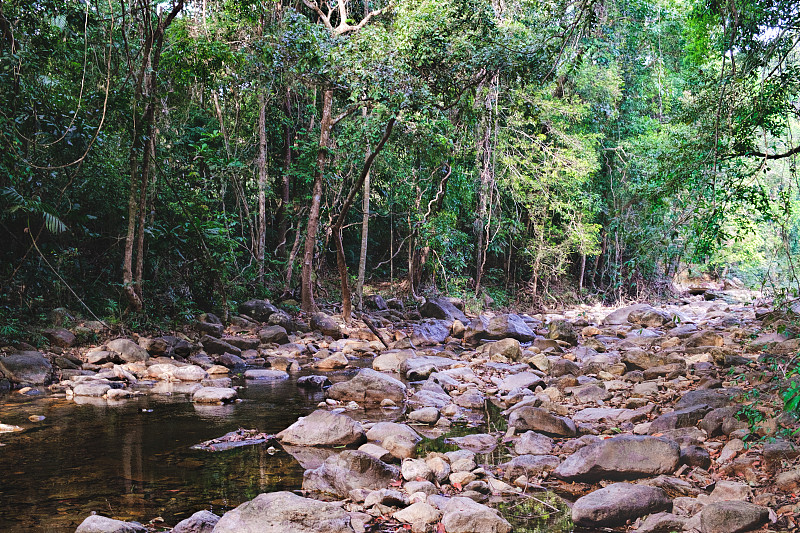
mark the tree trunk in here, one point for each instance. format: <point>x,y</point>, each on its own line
<point>307,285</point>
<point>262,184</point>
<point>145,76</point>
<point>362,260</point>
<point>283,207</point>
<point>347,304</point>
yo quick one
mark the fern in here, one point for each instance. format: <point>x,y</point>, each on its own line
<point>33,206</point>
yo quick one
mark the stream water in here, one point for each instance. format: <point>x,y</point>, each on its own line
<point>132,459</point>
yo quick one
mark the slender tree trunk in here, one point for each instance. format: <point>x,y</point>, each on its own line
<point>287,286</point>
<point>262,184</point>
<point>347,304</point>
<point>283,208</point>
<point>147,173</point>
<point>362,260</point>
<point>486,177</point>
<point>307,285</point>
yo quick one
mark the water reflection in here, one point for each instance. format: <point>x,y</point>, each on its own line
<point>131,459</point>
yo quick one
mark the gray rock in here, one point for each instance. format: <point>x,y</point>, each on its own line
<point>732,517</point>
<point>443,309</point>
<point>662,523</point>
<point>273,334</point>
<point>478,443</point>
<point>383,430</point>
<point>128,351</point>
<point>369,387</point>
<point>214,395</point>
<point>618,503</point>
<point>562,330</point>
<point>326,325</point>
<point>541,421</point>
<point>532,443</point>
<point>26,367</point>
<point>199,522</point>
<point>421,515</point>
<point>313,382</point>
<point>649,317</point>
<point>509,326</point>
<point>103,524</point>
<point>351,469</point>
<point>462,515</point>
<point>529,465</point>
<point>426,415</point>
<point>620,316</point>
<point>623,457</point>
<point>679,419</point>
<point>323,428</point>
<point>713,398</point>
<point>508,348</point>
<point>60,337</point>
<point>521,380</point>
<point>285,512</point>
<point>260,310</point>
<point>217,346</point>
<point>95,390</point>
<point>430,332</point>
<point>261,374</point>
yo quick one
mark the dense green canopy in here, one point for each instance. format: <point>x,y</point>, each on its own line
<point>188,155</point>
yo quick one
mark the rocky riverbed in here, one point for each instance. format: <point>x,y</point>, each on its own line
<point>648,418</point>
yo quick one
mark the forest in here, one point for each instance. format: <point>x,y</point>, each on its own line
<point>160,159</point>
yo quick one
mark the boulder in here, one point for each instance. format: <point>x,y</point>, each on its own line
<point>713,398</point>
<point>323,428</point>
<point>326,325</point>
<point>508,348</point>
<point>127,350</point>
<point>541,421</point>
<point>214,395</point>
<point>649,317</point>
<point>620,316</point>
<point>442,309</point>
<point>562,330</point>
<point>623,457</point>
<point>732,517</point>
<point>679,419</point>
<point>430,332</point>
<point>532,443</point>
<point>704,338</point>
<point>421,515</point>
<point>261,374</point>
<point>190,373</point>
<point>351,469</point>
<point>285,512</point>
<point>509,326</point>
<point>63,338</point>
<point>618,503</point>
<point>273,334</point>
<point>522,380</point>
<point>313,382</point>
<point>217,346</point>
<point>390,361</point>
<point>369,387</point>
<point>643,360</point>
<point>92,390</point>
<point>529,465</point>
<point>260,310</point>
<point>102,524</point>
<point>26,367</point>
<point>463,515</point>
<point>199,522</point>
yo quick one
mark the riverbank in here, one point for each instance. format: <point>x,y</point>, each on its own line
<point>637,417</point>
